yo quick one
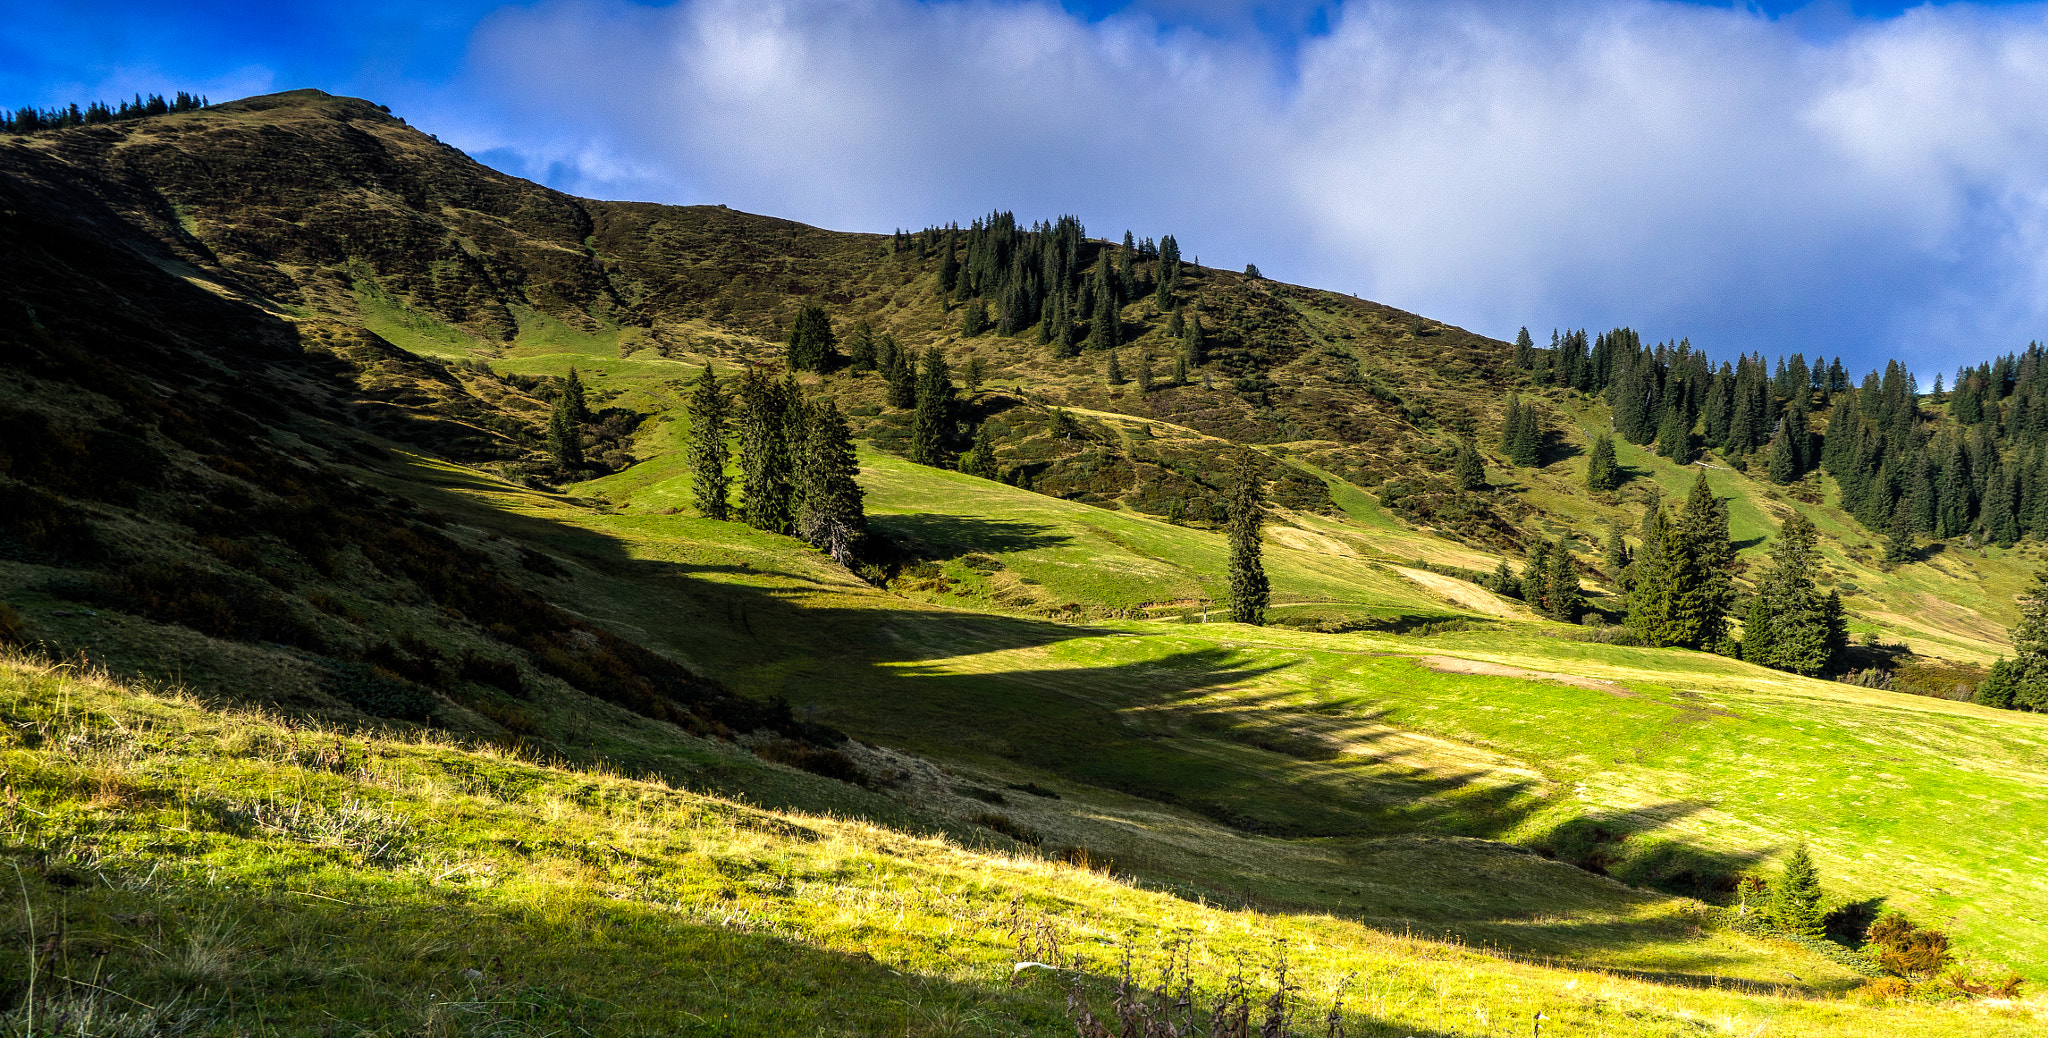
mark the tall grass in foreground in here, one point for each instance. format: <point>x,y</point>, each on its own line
<point>177,870</point>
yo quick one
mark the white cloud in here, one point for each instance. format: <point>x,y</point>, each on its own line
<point>1877,189</point>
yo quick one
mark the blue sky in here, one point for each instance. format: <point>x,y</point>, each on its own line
<point>1862,179</point>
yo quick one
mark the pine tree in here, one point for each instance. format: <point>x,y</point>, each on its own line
<point>1468,468</point>
<point>860,347</point>
<point>1180,369</point>
<point>1614,555</point>
<point>565,425</point>
<point>972,374</point>
<point>767,474</point>
<point>1898,542</point>
<point>980,459</point>
<point>1525,350</point>
<point>934,397</point>
<point>709,484</point>
<point>1115,372</point>
<point>1144,371</point>
<point>833,518</point>
<point>1536,577</point>
<point>1563,595</point>
<point>1788,626</point>
<point>901,371</point>
<point>811,344</point>
<point>1674,436</point>
<point>1246,508</point>
<point>1784,464</point>
<point>1602,474</point>
<point>1510,423</point>
<point>974,319</point>
<point>1679,586</point>
<point>1192,344</point>
<point>949,264</point>
<point>2021,683</point>
<point>1522,439</point>
<point>1795,903</point>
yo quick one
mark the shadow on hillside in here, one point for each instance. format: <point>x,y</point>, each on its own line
<point>951,536</point>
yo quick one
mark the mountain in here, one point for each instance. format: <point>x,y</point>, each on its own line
<point>280,373</point>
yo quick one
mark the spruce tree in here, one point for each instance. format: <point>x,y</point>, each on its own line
<point>2021,683</point>
<point>565,425</point>
<point>1246,510</point>
<point>1602,473</point>
<point>1789,627</point>
<point>901,372</point>
<point>1510,423</point>
<point>972,374</point>
<point>1795,902</point>
<point>980,459</point>
<point>860,347</point>
<point>1564,597</point>
<point>1898,541</point>
<point>709,484</point>
<point>1674,436</point>
<point>934,397</point>
<point>1536,577</point>
<point>949,264</point>
<point>1614,555</point>
<point>1525,438</point>
<point>767,475</point>
<point>811,344</point>
<point>1115,372</point>
<point>833,518</point>
<point>1144,371</point>
<point>1468,468</point>
<point>1193,345</point>
<point>1180,369</point>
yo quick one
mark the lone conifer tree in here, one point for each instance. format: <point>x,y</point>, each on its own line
<point>1246,509</point>
<point>1180,369</point>
<point>811,345</point>
<point>1193,345</point>
<point>860,347</point>
<point>1791,625</point>
<point>980,459</point>
<point>1115,372</point>
<point>1467,466</point>
<point>709,485</point>
<point>565,425</point>
<point>1144,371</point>
<point>1794,906</point>
<point>1602,474</point>
<point>900,368</point>
<point>1564,599</point>
<point>766,476</point>
<point>833,518</point>
<point>934,399</point>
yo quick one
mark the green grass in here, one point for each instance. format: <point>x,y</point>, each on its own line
<point>186,869</point>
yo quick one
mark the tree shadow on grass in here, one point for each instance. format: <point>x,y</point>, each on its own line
<point>936,536</point>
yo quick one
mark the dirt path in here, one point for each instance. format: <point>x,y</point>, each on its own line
<point>1461,594</point>
<point>1452,665</point>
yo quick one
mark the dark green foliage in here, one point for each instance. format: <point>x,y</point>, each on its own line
<point>1791,624</point>
<point>1898,541</point>
<point>1794,905</point>
<point>36,120</point>
<point>934,410</point>
<point>949,261</point>
<point>565,425</point>
<point>1169,274</point>
<point>980,459</point>
<point>972,374</point>
<point>812,346</point>
<point>707,454</point>
<point>1180,369</point>
<point>1194,348</point>
<point>1787,461</point>
<point>974,319</point>
<point>1674,436</point>
<point>1467,467</point>
<point>1145,371</point>
<point>1502,581</point>
<point>1115,371</point>
<point>1563,598</point>
<point>767,464</point>
<point>1251,270</point>
<point>899,367</point>
<point>1520,435</point>
<point>1602,473</point>
<point>2021,683</point>
<point>1679,588</point>
<point>832,516</point>
<point>1246,509</point>
<point>1614,554</point>
<point>860,347</point>
<point>377,692</point>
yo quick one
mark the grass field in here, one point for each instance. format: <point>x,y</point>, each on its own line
<point>200,871</point>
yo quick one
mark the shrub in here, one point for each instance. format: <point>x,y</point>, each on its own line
<point>824,761</point>
<point>1002,824</point>
<point>1908,950</point>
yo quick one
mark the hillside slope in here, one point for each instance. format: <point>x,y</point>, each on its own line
<point>276,379</point>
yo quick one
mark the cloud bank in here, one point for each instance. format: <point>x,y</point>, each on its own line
<point>1876,189</point>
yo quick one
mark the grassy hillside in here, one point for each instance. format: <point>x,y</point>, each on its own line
<point>198,871</point>
<point>275,378</point>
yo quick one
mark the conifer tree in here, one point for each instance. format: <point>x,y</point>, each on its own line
<point>901,371</point>
<point>1521,439</point>
<point>832,517</point>
<point>1674,436</point>
<point>767,476</point>
<point>1898,541</point>
<point>1789,626</point>
<point>1468,468</point>
<point>1525,350</point>
<point>709,484</point>
<point>860,347</point>
<point>1602,473</point>
<point>1536,576</point>
<point>1115,373</point>
<point>1563,596</point>
<point>972,374</point>
<point>1180,369</point>
<point>974,319</point>
<point>1614,555</point>
<point>565,425</point>
<point>980,459</point>
<point>1192,344</point>
<point>1144,371</point>
<point>811,344</point>
<point>1502,581</point>
<point>1246,510</point>
<point>1065,343</point>
<point>934,397</point>
<point>949,264</point>
<point>2021,683</point>
<point>1679,588</point>
<point>1795,901</point>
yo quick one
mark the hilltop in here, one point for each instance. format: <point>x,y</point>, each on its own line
<point>278,373</point>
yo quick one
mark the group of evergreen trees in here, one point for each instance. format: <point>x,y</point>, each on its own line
<point>2021,683</point>
<point>1791,625</point>
<point>796,458</point>
<point>1521,437</point>
<point>1902,471</point>
<point>32,120</point>
<point>565,424</point>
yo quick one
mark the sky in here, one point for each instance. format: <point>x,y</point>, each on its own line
<point>1868,180</point>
